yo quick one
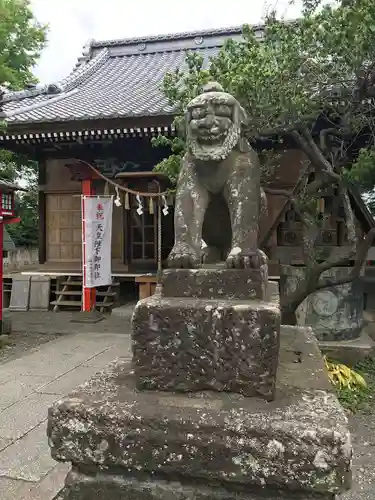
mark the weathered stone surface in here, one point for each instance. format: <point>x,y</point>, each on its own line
<point>192,344</point>
<point>81,486</point>
<point>214,283</point>
<point>40,291</point>
<point>299,442</point>
<point>299,352</point>
<point>273,292</point>
<point>334,313</point>
<point>20,294</point>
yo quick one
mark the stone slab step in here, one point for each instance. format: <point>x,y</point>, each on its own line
<point>349,352</point>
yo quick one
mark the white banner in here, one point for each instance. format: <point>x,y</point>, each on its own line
<point>97,240</point>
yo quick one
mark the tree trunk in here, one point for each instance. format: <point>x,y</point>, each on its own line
<point>290,303</point>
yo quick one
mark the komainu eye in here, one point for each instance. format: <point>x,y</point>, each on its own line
<point>197,113</point>
<point>222,110</point>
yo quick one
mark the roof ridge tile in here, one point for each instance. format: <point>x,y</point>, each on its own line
<point>76,77</point>
<point>170,36</point>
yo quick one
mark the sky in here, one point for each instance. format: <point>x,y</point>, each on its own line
<point>73,22</point>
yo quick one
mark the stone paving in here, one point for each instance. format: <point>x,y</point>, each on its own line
<point>28,386</point>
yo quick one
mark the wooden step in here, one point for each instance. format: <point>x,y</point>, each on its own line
<point>78,303</point>
<point>98,294</point>
<point>66,303</point>
<point>76,283</point>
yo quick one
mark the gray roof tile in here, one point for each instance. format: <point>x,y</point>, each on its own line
<point>116,78</point>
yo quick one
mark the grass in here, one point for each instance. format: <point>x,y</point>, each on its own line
<point>352,393</point>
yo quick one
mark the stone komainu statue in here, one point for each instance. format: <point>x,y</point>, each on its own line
<point>219,197</point>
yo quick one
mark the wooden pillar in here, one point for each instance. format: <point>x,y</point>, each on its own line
<point>89,294</point>
<point>1,272</point>
<point>42,244</point>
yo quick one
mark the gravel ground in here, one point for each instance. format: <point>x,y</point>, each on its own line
<point>18,344</point>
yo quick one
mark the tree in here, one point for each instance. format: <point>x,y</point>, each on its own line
<point>16,168</point>
<point>21,41</point>
<point>306,83</point>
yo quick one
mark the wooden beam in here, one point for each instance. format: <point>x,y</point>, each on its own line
<point>81,172</point>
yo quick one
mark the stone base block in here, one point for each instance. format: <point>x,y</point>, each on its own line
<point>192,344</point>
<point>297,445</point>
<point>216,283</point>
<point>102,486</point>
<point>349,352</point>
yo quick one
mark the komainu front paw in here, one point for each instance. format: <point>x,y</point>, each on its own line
<point>183,256</point>
<point>238,259</point>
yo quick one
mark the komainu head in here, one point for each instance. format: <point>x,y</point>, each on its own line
<point>214,120</point>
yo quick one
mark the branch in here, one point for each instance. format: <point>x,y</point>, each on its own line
<point>349,216</point>
<point>365,81</point>
<point>326,132</point>
<point>308,146</point>
<point>360,257</point>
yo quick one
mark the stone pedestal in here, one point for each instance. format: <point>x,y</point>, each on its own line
<point>213,337</point>
<point>196,433</point>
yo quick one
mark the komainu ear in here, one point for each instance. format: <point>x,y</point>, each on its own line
<point>239,115</point>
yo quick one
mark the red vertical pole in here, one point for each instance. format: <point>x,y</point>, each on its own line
<point>1,272</point>
<point>89,295</point>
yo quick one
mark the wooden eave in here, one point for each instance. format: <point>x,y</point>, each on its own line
<point>45,132</point>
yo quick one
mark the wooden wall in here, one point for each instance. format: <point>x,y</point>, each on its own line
<point>285,176</point>
<point>63,216</point>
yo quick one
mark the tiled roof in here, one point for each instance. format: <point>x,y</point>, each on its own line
<point>115,79</point>
<point>6,185</point>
